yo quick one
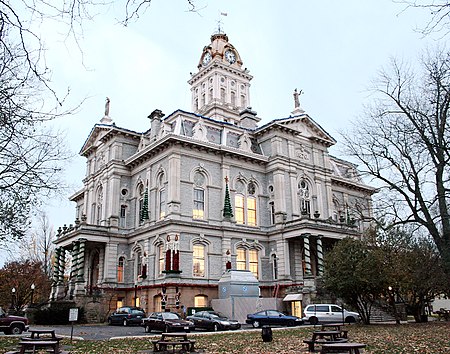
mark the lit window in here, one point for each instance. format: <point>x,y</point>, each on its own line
<point>251,211</point>
<point>239,208</point>
<point>120,269</point>
<point>200,301</point>
<point>199,204</point>
<point>245,204</point>
<point>119,303</point>
<point>241,259</point>
<point>253,262</point>
<point>248,260</point>
<point>199,261</point>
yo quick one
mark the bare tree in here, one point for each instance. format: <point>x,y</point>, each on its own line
<point>439,11</point>
<point>31,155</point>
<point>403,142</point>
<point>37,245</point>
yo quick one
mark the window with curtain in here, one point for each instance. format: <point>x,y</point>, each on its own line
<point>198,261</point>
<point>239,209</point>
<point>162,203</point>
<point>120,269</point>
<point>253,262</point>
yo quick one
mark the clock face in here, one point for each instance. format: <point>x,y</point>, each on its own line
<point>230,56</point>
<point>206,58</point>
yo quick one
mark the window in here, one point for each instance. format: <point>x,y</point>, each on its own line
<point>160,259</point>
<point>239,208</point>
<point>305,203</point>
<point>210,98</point>
<point>199,204</point>
<point>119,303</point>
<point>222,94</point>
<point>272,212</point>
<point>123,213</point>
<point>120,269</point>
<point>140,203</point>
<point>247,260</point>
<point>198,260</point>
<point>99,204</point>
<point>243,101</point>
<point>245,204</point>
<point>233,98</point>
<point>251,211</point>
<point>138,264</point>
<point>253,262</point>
<point>200,301</point>
<point>162,203</point>
<point>274,266</point>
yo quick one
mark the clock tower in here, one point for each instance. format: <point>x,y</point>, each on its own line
<point>221,87</point>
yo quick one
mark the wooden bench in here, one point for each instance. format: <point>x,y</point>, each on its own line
<point>312,343</point>
<point>351,348</point>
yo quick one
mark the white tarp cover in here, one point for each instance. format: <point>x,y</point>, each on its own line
<point>293,297</point>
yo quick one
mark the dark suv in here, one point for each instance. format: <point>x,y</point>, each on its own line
<point>127,316</point>
<point>12,324</point>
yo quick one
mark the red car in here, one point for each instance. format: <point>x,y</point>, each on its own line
<point>12,324</point>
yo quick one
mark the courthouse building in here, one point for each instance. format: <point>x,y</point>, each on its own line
<point>165,212</point>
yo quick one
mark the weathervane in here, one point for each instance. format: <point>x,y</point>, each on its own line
<point>219,22</point>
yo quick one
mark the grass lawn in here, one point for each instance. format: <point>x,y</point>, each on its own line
<point>432,337</point>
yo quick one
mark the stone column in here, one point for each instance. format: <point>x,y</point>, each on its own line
<point>307,255</point>
<point>283,256</point>
<point>319,256</point>
<point>173,186</point>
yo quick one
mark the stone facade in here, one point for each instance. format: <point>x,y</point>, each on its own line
<point>165,212</point>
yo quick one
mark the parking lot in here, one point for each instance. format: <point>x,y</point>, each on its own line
<point>103,331</point>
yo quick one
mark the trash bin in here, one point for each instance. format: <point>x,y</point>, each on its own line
<point>266,334</point>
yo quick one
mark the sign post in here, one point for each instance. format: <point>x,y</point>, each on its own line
<point>73,317</point>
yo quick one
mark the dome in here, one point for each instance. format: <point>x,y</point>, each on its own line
<point>220,49</point>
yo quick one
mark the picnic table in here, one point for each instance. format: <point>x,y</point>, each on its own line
<point>174,340</point>
<point>351,348</point>
<point>335,327</point>
<point>39,339</point>
<point>322,337</point>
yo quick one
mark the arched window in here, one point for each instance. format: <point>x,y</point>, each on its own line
<point>99,204</point>
<point>233,98</point>
<point>198,260</point>
<point>210,98</point>
<point>160,259</point>
<point>222,94</point>
<point>304,196</point>
<point>123,214</point>
<point>120,269</point>
<point>274,266</point>
<point>248,259</point>
<point>138,264</point>
<point>245,203</point>
<point>200,301</point>
<point>198,211</point>
<point>161,197</point>
<point>272,212</point>
<point>243,102</point>
<point>140,202</point>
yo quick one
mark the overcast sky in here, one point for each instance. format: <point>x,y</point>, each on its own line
<point>329,49</point>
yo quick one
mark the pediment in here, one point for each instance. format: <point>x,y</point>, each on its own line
<point>306,127</point>
<point>94,139</point>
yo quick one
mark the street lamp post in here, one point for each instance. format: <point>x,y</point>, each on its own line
<point>135,294</point>
<point>32,293</point>
<point>13,298</point>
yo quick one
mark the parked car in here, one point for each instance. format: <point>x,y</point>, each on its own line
<point>166,322</point>
<point>316,313</point>
<point>214,321</point>
<point>272,317</point>
<point>12,324</point>
<point>127,316</point>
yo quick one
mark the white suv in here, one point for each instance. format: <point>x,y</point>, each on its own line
<point>316,313</point>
